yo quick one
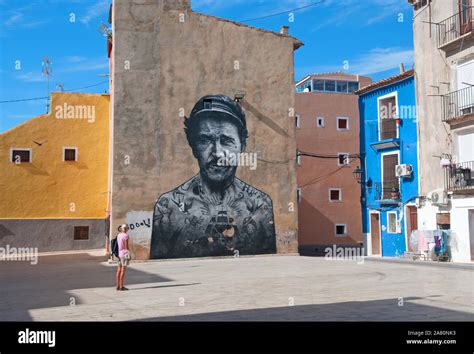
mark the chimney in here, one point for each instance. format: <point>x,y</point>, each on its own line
<point>402,68</point>
<point>284,30</point>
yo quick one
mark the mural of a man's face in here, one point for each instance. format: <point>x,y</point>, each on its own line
<point>214,213</point>
<point>216,139</point>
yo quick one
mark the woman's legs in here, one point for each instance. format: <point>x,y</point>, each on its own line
<point>122,276</point>
<point>118,275</point>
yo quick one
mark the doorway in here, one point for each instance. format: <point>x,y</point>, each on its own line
<point>375,233</point>
<point>412,223</point>
<point>471,231</point>
<point>465,18</point>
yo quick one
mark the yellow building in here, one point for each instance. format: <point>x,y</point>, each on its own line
<point>54,176</point>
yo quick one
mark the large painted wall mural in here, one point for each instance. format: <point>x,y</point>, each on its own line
<point>214,213</point>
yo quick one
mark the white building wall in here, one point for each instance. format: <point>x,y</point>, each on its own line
<point>460,225</point>
<point>436,73</point>
<point>427,217</point>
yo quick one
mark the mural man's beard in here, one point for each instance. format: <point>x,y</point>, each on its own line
<point>216,174</point>
<point>214,213</point>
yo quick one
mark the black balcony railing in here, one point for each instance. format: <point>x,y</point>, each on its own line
<point>389,191</point>
<point>458,103</point>
<point>460,177</point>
<point>455,26</point>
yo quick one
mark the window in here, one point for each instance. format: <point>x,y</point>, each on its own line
<point>318,85</point>
<point>304,87</point>
<point>341,229</point>
<point>299,194</point>
<point>298,158</point>
<point>392,222</point>
<point>81,232</point>
<point>330,86</point>
<point>320,122</point>
<point>297,121</point>
<point>342,123</point>
<point>420,3</point>
<point>69,154</point>
<point>343,159</point>
<point>387,114</point>
<point>352,86</point>
<point>341,86</point>
<point>390,182</point>
<point>335,195</point>
<point>20,155</point>
<point>465,10</point>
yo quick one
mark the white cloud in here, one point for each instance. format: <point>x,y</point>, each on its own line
<point>84,64</point>
<point>375,61</point>
<point>31,76</point>
<point>99,9</point>
<point>20,18</point>
<point>382,59</point>
<point>14,19</point>
<point>373,11</point>
<point>74,59</point>
<point>254,8</point>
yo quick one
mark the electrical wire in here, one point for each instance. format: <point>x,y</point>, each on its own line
<point>283,12</point>
<point>45,97</point>
<point>324,156</point>
<point>321,178</point>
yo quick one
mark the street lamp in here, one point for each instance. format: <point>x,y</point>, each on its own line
<point>357,174</point>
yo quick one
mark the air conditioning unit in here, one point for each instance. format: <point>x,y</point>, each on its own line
<point>418,202</point>
<point>438,197</point>
<point>404,170</point>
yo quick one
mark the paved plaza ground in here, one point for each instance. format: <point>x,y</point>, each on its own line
<point>81,287</point>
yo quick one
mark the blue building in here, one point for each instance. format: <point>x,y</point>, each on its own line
<point>389,164</point>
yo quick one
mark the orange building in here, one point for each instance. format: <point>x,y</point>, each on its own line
<point>54,176</point>
<point>327,136</point>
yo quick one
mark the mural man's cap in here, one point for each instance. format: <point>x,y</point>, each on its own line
<point>219,104</point>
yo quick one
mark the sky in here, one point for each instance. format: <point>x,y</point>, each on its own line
<point>367,37</point>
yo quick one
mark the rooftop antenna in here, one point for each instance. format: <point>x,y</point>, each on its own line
<point>47,70</point>
<point>104,30</point>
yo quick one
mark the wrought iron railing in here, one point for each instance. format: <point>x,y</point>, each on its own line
<point>389,191</point>
<point>455,26</point>
<point>459,176</point>
<point>458,103</point>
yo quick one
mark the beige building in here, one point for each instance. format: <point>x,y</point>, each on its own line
<point>165,58</point>
<point>327,137</point>
<point>444,74</point>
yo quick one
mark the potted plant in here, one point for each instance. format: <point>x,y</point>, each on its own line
<point>395,192</point>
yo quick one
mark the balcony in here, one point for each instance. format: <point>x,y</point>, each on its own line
<point>452,29</point>
<point>388,193</point>
<point>459,178</point>
<point>458,105</point>
<point>386,138</point>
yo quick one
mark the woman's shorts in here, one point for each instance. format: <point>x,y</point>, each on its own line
<point>123,261</point>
